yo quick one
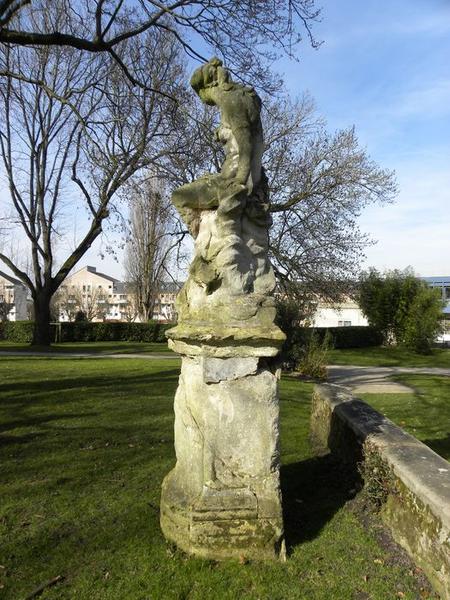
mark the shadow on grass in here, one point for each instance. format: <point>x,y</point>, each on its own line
<point>441,446</point>
<point>97,380</point>
<point>39,420</point>
<point>313,491</point>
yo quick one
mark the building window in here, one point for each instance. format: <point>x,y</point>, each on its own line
<point>344,323</point>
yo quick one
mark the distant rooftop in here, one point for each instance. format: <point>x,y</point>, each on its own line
<point>170,287</point>
<point>437,279</point>
<point>91,269</point>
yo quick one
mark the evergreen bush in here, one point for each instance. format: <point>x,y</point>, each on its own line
<point>85,331</point>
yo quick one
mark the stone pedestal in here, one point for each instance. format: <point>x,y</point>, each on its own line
<point>222,499</point>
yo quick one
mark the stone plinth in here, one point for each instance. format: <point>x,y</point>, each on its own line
<point>222,499</point>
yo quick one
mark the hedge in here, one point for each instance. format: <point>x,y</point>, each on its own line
<point>82,331</point>
<point>341,337</point>
<point>113,332</point>
<point>22,331</point>
<point>352,337</point>
<point>16,331</point>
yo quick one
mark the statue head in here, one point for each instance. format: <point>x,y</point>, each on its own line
<point>209,75</point>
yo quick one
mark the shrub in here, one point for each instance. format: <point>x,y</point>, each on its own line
<point>17,331</point>
<point>339,337</point>
<point>113,332</point>
<point>313,360</point>
<point>402,308</point>
<point>85,331</point>
<point>424,320</point>
<point>379,481</point>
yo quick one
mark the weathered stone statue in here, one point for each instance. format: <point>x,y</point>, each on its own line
<point>222,499</point>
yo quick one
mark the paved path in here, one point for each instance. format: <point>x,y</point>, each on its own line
<point>374,380</point>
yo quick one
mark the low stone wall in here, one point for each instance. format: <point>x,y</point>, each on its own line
<point>415,489</point>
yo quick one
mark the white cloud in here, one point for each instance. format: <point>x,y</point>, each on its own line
<point>415,230</point>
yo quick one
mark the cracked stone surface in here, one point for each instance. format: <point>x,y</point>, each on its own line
<point>223,496</point>
<point>216,370</point>
<point>222,499</point>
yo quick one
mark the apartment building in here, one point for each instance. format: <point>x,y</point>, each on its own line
<point>13,296</point>
<point>105,298</point>
<point>100,296</point>
<point>164,310</point>
<point>442,283</point>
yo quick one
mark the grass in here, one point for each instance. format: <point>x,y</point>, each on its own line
<point>389,357</point>
<point>90,347</point>
<point>425,414</point>
<point>84,448</point>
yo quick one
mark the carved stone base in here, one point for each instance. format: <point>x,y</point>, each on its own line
<point>221,524</point>
<point>222,499</point>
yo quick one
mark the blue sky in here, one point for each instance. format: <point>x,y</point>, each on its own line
<point>385,67</point>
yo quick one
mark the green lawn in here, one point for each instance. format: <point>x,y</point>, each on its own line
<point>424,414</point>
<point>90,347</point>
<point>389,357</point>
<point>84,448</point>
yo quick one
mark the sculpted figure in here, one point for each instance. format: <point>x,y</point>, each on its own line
<point>227,212</point>
<point>222,498</point>
<point>240,131</point>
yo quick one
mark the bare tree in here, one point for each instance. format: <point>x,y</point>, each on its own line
<point>66,303</point>
<point>149,242</point>
<point>70,300</point>
<point>130,308</point>
<point>94,304</point>
<point>248,35</point>
<point>319,184</point>
<point>79,144</point>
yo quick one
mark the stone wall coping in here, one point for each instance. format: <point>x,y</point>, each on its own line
<point>423,471</point>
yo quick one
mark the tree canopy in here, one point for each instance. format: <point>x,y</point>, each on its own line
<point>402,307</point>
<point>94,92</point>
<point>246,34</point>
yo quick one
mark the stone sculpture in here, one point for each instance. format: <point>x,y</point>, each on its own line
<point>222,499</point>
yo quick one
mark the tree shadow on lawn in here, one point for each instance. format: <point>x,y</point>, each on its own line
<point>440,445</point>
<point>96,419</point>
<point>97,380</point>
<point>313,490</point>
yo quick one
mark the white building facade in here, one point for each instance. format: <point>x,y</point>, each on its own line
<point>13,294</point>
<point>165,302</point>
<point>344,314</point>
<point>91,291</point>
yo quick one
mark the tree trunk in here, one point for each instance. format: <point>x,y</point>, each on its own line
<point>148,307</point>
<point>41,332</point>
